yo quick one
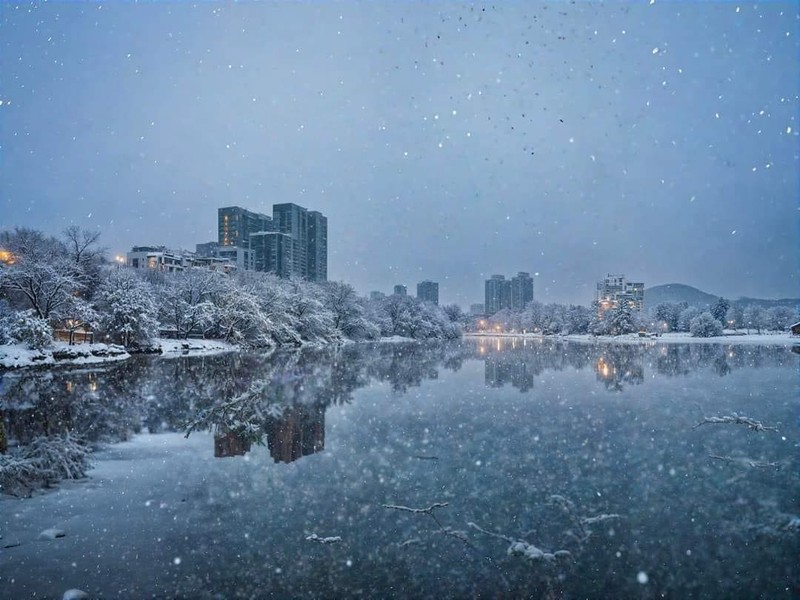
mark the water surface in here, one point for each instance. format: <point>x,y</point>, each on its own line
<point>587,449</point>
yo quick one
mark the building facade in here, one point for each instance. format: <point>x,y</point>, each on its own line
<point>157,258</point>
<point>615,290</point>
<point>521,291</point>
<point>237,224</point>
<point>292,220</point>
<point>400,290</point>
<point>317,246</point>
<point>428,291</point>
<point>498,294</point>
<point>273,252</point>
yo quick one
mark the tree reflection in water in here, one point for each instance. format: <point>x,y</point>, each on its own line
<point>289,392</point>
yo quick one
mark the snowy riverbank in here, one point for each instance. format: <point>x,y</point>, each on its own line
<point>15,356</point>
<point>730,337</point>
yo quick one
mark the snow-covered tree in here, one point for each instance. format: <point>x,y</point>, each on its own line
<point>41,276</point>
<point>686,316</point>
<point>618,321</point>
<point>186,300</point>
<point>720,310</point>
<point>30,329</point>
<point>578,319</point>
<point>347,311</point>
<point>734,317</point>
<point>779,318</point>
<point>667,313</point>
<point>754,317</point>
<point>705,325</point>
<point>86,257</point>
<point>75,315</point>
<point>128,309</point>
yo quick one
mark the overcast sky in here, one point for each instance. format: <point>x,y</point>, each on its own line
<point>443,141</point>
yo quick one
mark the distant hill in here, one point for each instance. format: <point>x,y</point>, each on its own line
<point>677,292</point>
<point>790,302</point>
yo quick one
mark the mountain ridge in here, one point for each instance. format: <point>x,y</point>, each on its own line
<point>680,292</point>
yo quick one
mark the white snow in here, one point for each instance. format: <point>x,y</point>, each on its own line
<point>193,347</point>
<point>393,339</point>
<point>14,356</point>
<point>52,533</point>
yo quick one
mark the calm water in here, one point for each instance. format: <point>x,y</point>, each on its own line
<point>534,441</point>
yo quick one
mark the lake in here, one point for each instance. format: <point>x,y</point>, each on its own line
<point>491,467</point>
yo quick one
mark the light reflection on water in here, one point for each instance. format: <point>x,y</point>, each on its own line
<point>496,428</point>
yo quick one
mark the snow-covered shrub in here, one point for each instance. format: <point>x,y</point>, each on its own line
<point>705,325</point>
<point>31,330</point>
<point>43,462</point>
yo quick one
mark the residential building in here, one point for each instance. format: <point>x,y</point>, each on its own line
<point>158,258</point>
<point>237,256</point>
<point>498,294</point>
<point>292,219</point>
<point>615,290</point>
<point>400,290</point>
<point>317,246</point>
<point>376,295</point>
<point>273,252</point>
<point>521,291</point>
<point>428,291</point>
<point>236,224</point>
<point>477,309</point>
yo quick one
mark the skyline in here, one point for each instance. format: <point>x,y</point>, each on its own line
<point>447,143</point>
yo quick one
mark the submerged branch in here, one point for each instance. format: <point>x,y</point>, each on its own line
<point>421,511</point>
<point>323,540</point>
<point>747,462</point>
<point>735,419</point>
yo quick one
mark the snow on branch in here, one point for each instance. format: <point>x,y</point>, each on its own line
<point>45,461</point>
<point>735,419</point>
<point>323,540</point>
<point>426,511</point>
<point>461,536</point>
<point>525,549</point>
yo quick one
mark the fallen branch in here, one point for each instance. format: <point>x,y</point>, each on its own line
<point>323,540</point>
<point>735,419</point>
<point>747,462</point>
<point>525,549</point>
<point>419,511</point>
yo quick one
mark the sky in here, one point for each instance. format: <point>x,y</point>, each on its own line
<point>444,141</point>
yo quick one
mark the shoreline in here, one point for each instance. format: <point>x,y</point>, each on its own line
<point>764,339</point>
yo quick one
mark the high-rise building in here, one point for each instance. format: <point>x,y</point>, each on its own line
<point>317,246</point>
<point>236,224</point>
<point>273,252</point>
<point>292,219</point>
<point>521,291</point>
<point>615,290</point>
<point>477,309</point>
<point>376,295</point>
<point>428,291</point>
<point>498,294</point>
<point>400,290</point>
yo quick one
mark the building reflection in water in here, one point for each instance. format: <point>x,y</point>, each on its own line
<point>299,432</point>
<point>505,363</point>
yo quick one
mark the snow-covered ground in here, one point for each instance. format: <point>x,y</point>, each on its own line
<point>14,356</point>
<point>730,337</point>
<point>394,339</point>
<point>193,347</point>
